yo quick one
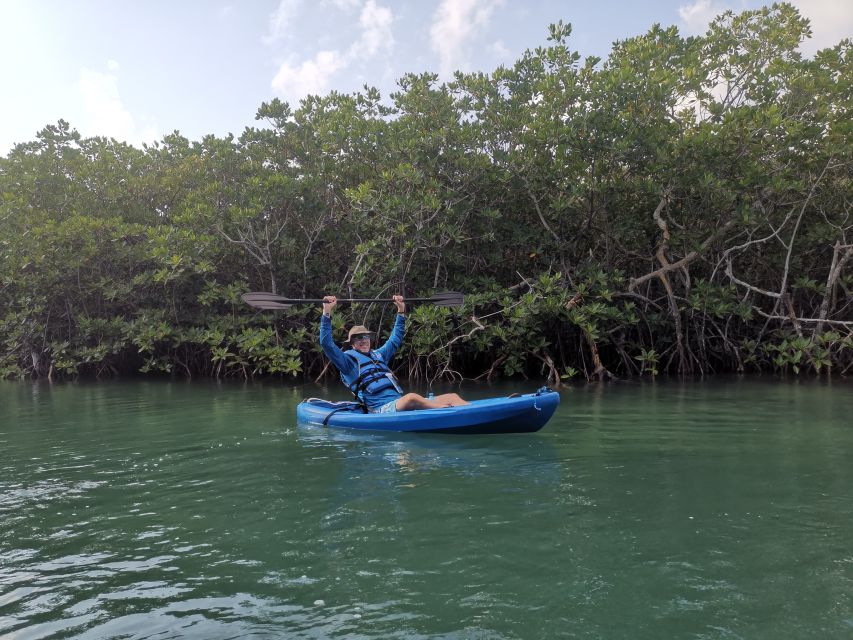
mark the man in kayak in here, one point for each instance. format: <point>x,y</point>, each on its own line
<point>365,371</point>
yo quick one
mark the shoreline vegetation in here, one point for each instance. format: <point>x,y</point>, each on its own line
<point>680,207</point>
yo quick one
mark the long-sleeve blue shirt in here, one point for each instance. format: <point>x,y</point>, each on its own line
<point>349,367</point>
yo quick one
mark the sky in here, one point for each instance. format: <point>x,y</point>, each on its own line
<point>139,70</point>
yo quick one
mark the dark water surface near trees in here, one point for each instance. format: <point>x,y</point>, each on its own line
<point>706,509</point>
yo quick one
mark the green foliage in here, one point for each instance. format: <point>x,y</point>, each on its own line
<point>676,206</point>
<point>649,359</point>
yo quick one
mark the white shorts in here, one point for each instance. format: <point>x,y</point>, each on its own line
<point>388,407</point>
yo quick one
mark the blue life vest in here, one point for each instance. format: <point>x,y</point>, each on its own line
<point>373,376</point>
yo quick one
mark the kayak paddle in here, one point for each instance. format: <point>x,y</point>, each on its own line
<point>265,300</point>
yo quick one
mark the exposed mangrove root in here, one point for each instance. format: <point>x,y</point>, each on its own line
<point>598,369</point>
<point>838,262</point>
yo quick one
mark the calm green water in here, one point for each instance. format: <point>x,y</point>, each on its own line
<point>718,509</point>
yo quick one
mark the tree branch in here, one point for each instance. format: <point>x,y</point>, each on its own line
<point>838,261</point>
<point>539,211</point>
<point>731,276</point>
<point>784,287</point>
<point>690,257</point>
<point>769,316</point>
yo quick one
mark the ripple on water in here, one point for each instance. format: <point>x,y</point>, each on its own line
<point>637,513</point>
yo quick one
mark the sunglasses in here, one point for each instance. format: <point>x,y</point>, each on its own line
<point>359,338</point>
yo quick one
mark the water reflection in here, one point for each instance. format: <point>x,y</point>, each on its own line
<point>394,518</point>
<point>511,453</point>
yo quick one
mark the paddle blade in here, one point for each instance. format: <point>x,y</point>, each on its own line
<point>448,299</point>
<point>264,303</point>
<point>255,296</point>
<point>267,305</point>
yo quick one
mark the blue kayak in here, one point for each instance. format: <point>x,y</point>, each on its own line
<point>518,414</point>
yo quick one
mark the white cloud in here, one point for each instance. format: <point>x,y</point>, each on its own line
<point>831,21</point>
<point>295,81</point>
<point>375,23</point>
<point>499,49</point>
<point>454,25</point>
<point>105,113</point>
<point>343,5</point>
<point>696,17</point>
<point>281,18</point>
<point>312,76</point>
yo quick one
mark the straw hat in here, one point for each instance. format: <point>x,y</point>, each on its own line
<point>358,330</point>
